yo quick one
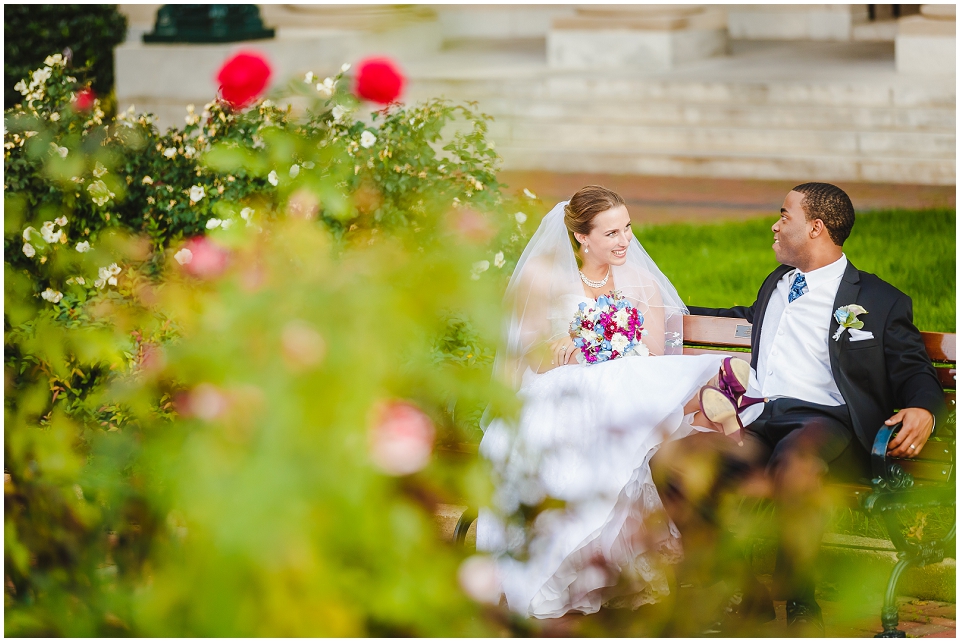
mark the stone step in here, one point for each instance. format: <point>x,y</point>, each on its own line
<point>614,138</point>
<point>922,94</point>
<point>622,112</point>
<point>725,165</point>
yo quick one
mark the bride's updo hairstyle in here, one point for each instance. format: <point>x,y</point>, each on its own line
<point>583,207</point>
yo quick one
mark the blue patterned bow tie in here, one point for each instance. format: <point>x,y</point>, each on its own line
<point>799,287</point>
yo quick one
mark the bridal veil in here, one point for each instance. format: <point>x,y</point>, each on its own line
<point>547,273</point>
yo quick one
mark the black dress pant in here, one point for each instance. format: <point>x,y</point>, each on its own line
<point>788,450</point>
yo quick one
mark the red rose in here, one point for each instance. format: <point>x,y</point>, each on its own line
<point>243,78</point>
<point>378,80</point>
<point>84,100</point>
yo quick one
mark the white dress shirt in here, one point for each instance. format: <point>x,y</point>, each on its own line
<point>794,350</point>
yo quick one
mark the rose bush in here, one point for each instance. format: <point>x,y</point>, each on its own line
<point>198,326</point>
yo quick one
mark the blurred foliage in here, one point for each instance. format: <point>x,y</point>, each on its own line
<point>31,31</point>
<point>195,363</point>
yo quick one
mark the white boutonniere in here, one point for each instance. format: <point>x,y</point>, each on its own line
<point>846,316</point>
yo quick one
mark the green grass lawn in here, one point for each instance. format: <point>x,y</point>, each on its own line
<point>723,264</point>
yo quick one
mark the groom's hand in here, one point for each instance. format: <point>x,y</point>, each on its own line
<point>916,429</point>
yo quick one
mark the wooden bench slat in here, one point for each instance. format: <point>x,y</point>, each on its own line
<point>924,469</point>
<point>718,331</point>
<point>948,377</point>
<point>940,346</point>
<point>727,353</point>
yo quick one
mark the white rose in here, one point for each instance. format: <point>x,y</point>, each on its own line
<point>83,246</point>
<point>51,295</point>
<point>367,139</point>
<point>498,259</point>
<point>246,213</point>
<point>170,152</point>
<point>621,317</point>
<point>196,193</point>
<point>273,179</point>
<point>521,217</point>
<point>55,59</point>
<point>641,350</point>
<point>338,113</point>
<point>147,180</point>
<point>189,151</point>
<point>55,116</point>
<point>619,342</point>
<point>213,223</point>
<point>184,256</point>
<point>49,234</point>
<point>478,268</point>
<point>61,221</point>
<point>99,192</point>
<point>28,250</point>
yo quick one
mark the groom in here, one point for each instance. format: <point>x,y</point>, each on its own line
<point>828,388</point>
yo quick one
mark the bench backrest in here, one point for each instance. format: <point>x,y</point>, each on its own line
<point>710,335</point>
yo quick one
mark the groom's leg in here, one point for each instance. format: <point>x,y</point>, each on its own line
<point>809,440</point>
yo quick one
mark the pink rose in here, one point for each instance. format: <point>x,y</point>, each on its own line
<point>401,438</point>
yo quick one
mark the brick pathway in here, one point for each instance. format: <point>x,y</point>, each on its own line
<point>660,199</point>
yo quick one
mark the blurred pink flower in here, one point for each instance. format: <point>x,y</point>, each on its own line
<point>471,225</point>
<point>401,438</point>
<point>206,259</point>
<point>207,402</point>
<point>479,579</point>
<point>303,346</point>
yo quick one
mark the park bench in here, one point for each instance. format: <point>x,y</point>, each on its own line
<point>924,482</point>
<point>927,481</point>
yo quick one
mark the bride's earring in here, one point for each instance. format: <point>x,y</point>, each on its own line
<point>586,249</point>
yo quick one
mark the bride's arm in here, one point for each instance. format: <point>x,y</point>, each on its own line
<point>653,323</point>
<point>538,345</point>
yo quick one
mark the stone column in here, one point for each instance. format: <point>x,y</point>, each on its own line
<point>927,43</point>
<point>655,36</point>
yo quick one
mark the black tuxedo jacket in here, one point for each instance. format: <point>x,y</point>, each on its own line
<point>875,376</point>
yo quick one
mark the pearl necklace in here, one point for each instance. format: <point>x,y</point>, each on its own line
<point>595,284</point>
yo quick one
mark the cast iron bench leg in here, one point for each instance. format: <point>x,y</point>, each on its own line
<point>463,525</point>
<point>889,616</point>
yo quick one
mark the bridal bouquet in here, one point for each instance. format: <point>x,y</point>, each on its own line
<point>609,329</point>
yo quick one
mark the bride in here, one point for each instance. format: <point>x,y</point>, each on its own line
<point>576,521</point>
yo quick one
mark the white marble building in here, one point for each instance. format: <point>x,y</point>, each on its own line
<point>833,92</point>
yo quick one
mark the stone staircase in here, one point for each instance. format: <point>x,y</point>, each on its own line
<point>798,111</point>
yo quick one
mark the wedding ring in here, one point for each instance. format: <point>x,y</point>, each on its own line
<point>911,447</point>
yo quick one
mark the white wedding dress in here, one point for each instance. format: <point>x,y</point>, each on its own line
<point>584,437</point>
